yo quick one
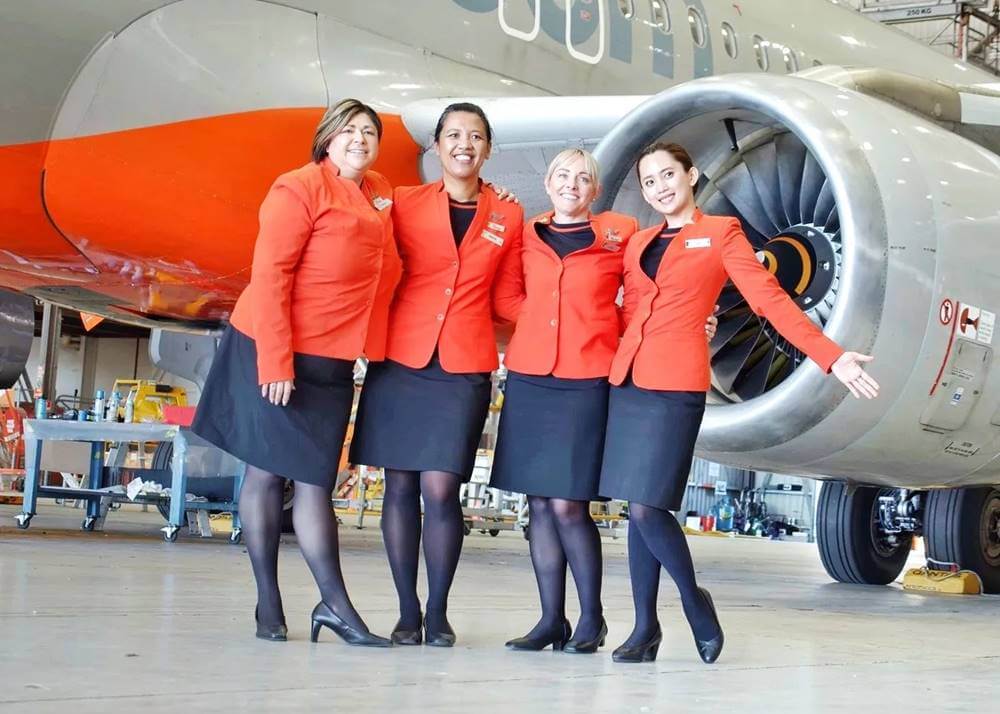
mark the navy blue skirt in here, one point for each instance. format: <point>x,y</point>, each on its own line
<point>551,437</point>
<point>649,445</point>
<point>302,441</point>
<point>420,419</point>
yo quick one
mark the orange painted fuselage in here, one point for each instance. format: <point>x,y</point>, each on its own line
<point>156,220</point>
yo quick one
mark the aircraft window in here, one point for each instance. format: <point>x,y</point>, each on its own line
<point>661,17</point>
<point>626,7</point>
<point>699,31</point>
<point>760,46</point>
<point>729,40</point>
<point>791,61</point>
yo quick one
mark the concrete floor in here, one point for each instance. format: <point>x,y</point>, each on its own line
<point>121,621</point>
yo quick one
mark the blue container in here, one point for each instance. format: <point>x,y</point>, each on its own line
<point>724,511</point>
<point>41,408</point>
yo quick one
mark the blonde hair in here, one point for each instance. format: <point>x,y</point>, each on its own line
<point>566,156</point>
<point>336,118</point>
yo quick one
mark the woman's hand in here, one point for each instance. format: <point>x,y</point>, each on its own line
<point>278,393</point>
<point>504,193</point>
<point>711,325</point>
<point>849,370</point>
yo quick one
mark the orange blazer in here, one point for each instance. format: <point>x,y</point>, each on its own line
<point>378,191</point>
<point>664,343</point>
<point>317,268</point>
<point>448,296</point>
<point>568,323</point>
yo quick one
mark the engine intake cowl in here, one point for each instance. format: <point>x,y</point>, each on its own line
<point>859,208</point>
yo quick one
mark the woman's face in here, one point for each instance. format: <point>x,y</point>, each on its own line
<point>354,148</point>
<point>571,188</point>
<point>666,186</point>
<point>462,145</point>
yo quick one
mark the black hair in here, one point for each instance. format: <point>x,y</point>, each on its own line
<point>463,107</point>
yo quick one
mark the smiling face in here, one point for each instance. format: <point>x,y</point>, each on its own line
<point>354,148</point>
<point>666,185</point>
<point>572,188</point>
<point>462,145</point>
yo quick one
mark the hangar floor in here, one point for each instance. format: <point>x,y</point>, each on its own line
<point>122,621</point>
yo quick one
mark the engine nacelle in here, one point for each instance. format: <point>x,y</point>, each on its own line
<point>885,228</point>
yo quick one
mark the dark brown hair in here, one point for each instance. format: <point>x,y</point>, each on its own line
<point>336,118</point>
<point>677,151</point>
<point>464,107</point>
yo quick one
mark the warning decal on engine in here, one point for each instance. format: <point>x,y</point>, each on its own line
<point>974,323</point>
<point>961,448</point>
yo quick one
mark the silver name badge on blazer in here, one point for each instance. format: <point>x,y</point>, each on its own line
<point>698,243</point>
<point>380,202</point>
<point>493,238</point>
<point>496,227</point>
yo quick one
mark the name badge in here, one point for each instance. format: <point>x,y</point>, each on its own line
<point>698,243</point>
<point>613,247</point>
<point>612,236</point>
<point>496,227</point>
<point>380,202</point>
<point>493,238</point>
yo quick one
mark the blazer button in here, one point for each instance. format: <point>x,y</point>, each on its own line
<point>447,291</point>
<point>555,293</point>
<point>553,322</point>
<point>440,316</point>
<point>454,263</point>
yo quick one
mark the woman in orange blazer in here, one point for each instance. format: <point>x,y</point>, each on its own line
<point>673,273</point>
<point>324,269</point>
<point>422,411</point>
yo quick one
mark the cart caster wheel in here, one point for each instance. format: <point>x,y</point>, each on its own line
<point>236,537</point>
<point>526,533</point>
<point>467,528</point>
<point>494,532</point>
<point>170,533</point>
<point>88,524</point>
<point>23,520</point>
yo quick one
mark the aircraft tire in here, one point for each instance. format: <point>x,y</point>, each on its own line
<point>962,525</point>
<point>852,547</point>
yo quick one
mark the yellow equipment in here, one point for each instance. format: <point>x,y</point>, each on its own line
<point>150,398</point>
<point>961,582</point>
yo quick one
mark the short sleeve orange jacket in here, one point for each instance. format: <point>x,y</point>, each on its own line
<point>664,342</point>
<point>568,322</point>
<point>449,295</point>
<point>316,271</point>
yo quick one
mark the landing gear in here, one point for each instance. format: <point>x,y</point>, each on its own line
<point>854,543</point>
<point>962,527</point>
<point>23,520</point>
<point>236,537</point>
<point>88,524</point>
<point>170,533</point>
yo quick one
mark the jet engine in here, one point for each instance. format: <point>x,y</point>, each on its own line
<point>884,227</point>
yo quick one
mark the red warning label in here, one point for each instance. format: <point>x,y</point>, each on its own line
<point>947,312</point>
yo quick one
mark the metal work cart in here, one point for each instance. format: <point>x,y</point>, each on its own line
<point>97,496</point>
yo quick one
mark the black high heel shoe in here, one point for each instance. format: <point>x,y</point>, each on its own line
<point>645,652</point>
<point>709,650</point>
<point>323,615</point>
<point>272,633</point>
<point>400,636</point>
<point>588,646</point>
<point>557,637</point>
<point>444,637</point>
